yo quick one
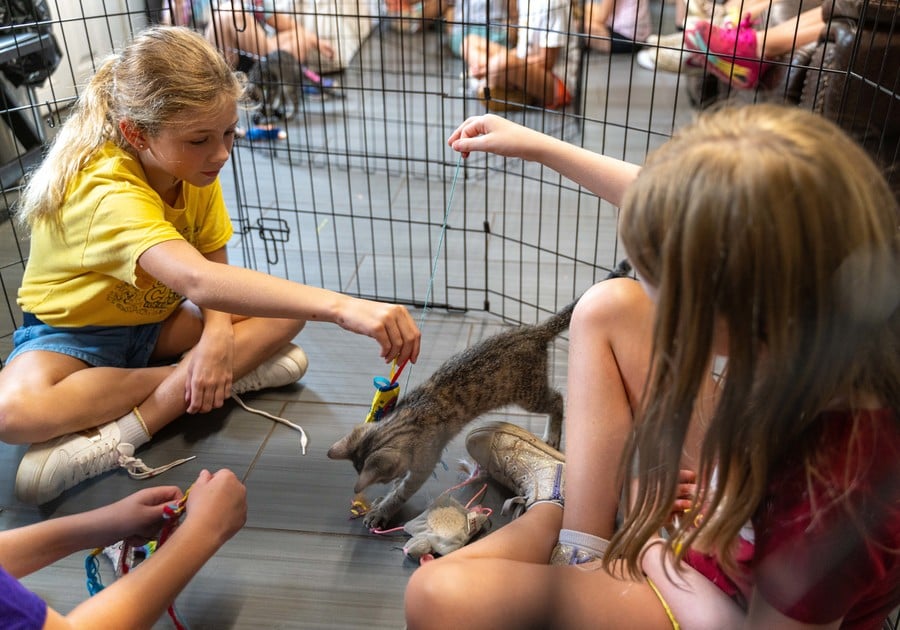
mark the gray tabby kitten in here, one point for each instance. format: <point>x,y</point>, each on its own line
<point>509,368</point>
<point>274,83</point>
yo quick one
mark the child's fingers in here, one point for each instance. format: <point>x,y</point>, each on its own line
<point>687,490</point>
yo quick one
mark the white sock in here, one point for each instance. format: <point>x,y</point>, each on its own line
<point>588,542</point>
<point>132,430</point>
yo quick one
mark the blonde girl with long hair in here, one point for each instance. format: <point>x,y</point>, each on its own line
<point>132,314</point>
<point>746,388</point>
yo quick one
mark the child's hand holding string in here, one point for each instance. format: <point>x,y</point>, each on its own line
<point>686,494</point>
<point>493,134</point>
<point>216,507</point>
<point>391,325</point>
<point>138,517</point>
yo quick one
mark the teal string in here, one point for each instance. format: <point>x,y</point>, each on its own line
<point>437,254</point>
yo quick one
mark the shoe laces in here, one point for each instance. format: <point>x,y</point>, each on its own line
<point>517,505</point>
<point>136,468</point>
<point>99,458</point>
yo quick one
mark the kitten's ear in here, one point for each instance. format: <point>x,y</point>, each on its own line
<point>341,448</point>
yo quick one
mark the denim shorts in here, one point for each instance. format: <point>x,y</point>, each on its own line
<point>98,346</point>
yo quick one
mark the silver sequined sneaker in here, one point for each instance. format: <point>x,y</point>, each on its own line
<point>286,366</point>
<point>50,468</point>
<point>564,554</point>
<point>519,460</point>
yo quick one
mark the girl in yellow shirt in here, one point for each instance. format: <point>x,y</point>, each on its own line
<point>132,314</point>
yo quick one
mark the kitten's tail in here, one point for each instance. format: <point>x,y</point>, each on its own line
<point>621,270</point>
<point>559,322</point>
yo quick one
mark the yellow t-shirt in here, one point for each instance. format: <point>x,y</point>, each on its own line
<point>87,273</point>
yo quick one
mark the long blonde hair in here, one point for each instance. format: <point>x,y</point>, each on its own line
<point>161,74</point>
<point>772,221</point>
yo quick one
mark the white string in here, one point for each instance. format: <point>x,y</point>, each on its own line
<point>303,439</point>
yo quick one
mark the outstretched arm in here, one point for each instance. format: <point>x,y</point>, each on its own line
<point>606,177</point>
<point>242,291</point>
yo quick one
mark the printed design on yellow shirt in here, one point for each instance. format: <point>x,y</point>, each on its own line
<point>157,299</point>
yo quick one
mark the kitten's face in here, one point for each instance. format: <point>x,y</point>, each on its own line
<point>375,462</point>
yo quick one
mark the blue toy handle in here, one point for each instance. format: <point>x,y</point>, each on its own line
<point>382,384</point>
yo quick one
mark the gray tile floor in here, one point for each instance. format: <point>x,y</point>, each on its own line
<point>301,562</point>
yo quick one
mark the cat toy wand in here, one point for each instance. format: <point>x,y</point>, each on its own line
<point>386,393</point>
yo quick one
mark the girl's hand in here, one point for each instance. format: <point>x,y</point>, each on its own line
<point>687,491</point>
<point>493,134</point>
<point>138,517</point>
<point>217,503</point>
<point>210,373</point>
<point>390,325</point>
<point>325,49</point>
<point>478,68</point>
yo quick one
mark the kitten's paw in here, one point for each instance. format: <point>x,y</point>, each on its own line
<point>379,514</point>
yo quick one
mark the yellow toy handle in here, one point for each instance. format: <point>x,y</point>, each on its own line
<point>386,394</point>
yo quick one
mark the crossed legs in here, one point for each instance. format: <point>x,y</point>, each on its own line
<point>46,394</point>
<point>235,30</point>
<point>533,76</point>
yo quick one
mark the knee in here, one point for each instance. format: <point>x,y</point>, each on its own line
<point>15,426</point>
<point>434,594</point>
<point>288,328</point>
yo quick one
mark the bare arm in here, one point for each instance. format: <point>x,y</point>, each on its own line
<point>175,17</point>
<point>211,361</point>
<point>24,550</point>
<point>216,510</point>
<point>598,12</point>
<point>290,35</point>
<point>606,177</point>
<point>544,58</point>
<point>217,323</point>
<point>240,291</point>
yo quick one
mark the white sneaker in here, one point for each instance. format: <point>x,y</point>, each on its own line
<point>50,468</point>
<point>667,54</point>
<point>286,366</point>
<point>646,58</point>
